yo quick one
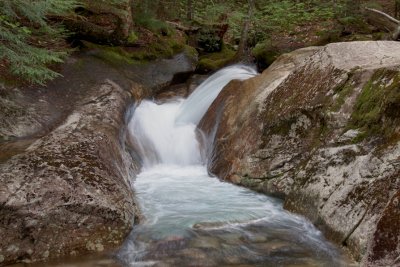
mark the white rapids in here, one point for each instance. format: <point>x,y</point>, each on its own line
<point>159,141</point>
<point>194,108</point>
<point>183,206</point>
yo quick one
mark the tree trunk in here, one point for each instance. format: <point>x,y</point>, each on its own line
<point>243,52</point>
<point>189,10</point>
<point>397,9</point>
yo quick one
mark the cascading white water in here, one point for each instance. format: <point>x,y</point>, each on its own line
<point>165,134</point>
<point>194,108</point>
<point>159,140</point>
<point>175,193</point>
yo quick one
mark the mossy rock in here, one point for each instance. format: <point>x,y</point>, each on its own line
<point>191,52</point>
<point>265,53</point>
<point>377,107</point>
<point>162,48</point>
<point>215,61</point>
<point>342,94</point>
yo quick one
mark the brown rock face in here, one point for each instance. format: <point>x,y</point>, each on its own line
<point>70,192</point>
<point>232,135</point>
<point>320,128</point>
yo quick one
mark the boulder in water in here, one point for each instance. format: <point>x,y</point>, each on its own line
<point>320,128</point>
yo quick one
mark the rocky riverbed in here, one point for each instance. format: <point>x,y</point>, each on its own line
<point>319,129</point>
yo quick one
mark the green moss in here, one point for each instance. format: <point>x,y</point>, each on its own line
<point>132,38</point>
<point>154,25</point>
<point>191,52</point>
<point>379,98</point>
<point>265,52</point>
<point>342,94</point>
<point>114,55</point>
<point>164,47</point>
<point>367,110</point>
<point>360,137</point>
<point>215,61</point>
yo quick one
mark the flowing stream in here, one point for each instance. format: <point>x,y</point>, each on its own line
<point>192,219</point>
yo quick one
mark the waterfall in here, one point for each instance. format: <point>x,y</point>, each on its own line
<point>158,140</point>
<point>188,213</point>
<point>194,108</point>
<point>166,134</point>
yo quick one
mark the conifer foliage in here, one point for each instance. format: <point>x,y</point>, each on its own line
<point>29,41</point>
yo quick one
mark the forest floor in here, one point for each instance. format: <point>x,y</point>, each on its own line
<point>388,6</point>
<point>150,47</point>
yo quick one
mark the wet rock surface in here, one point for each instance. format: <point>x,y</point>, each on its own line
<point>249,244</point>
<point>180,90</point>
<point>319,129</point>
<point>70,192</point>
<point>64,167</point>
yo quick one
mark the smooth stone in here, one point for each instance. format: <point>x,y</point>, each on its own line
<point>205,242</point>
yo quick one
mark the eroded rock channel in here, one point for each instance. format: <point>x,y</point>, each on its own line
<point>304,131</point>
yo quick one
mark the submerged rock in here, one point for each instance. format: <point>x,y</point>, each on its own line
<point>70,191</point>
<point>320,128</point>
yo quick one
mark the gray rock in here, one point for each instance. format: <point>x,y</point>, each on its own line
<point>307,130</point>
<point>64,169</point>
<point>69,192</point>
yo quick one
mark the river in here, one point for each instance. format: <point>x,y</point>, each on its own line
<point>193,219</point>
<point>190,218</point>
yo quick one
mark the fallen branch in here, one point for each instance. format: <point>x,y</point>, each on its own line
<point>384,22</point>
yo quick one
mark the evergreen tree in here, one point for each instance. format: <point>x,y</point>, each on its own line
<point>29,42</point>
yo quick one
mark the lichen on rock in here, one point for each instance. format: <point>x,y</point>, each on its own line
<point>70,188</point>
<point>320,129</point>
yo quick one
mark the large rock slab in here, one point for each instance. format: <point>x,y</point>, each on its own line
<point>320,128</point>
<point>69,192</point>
<point>64,169</point>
